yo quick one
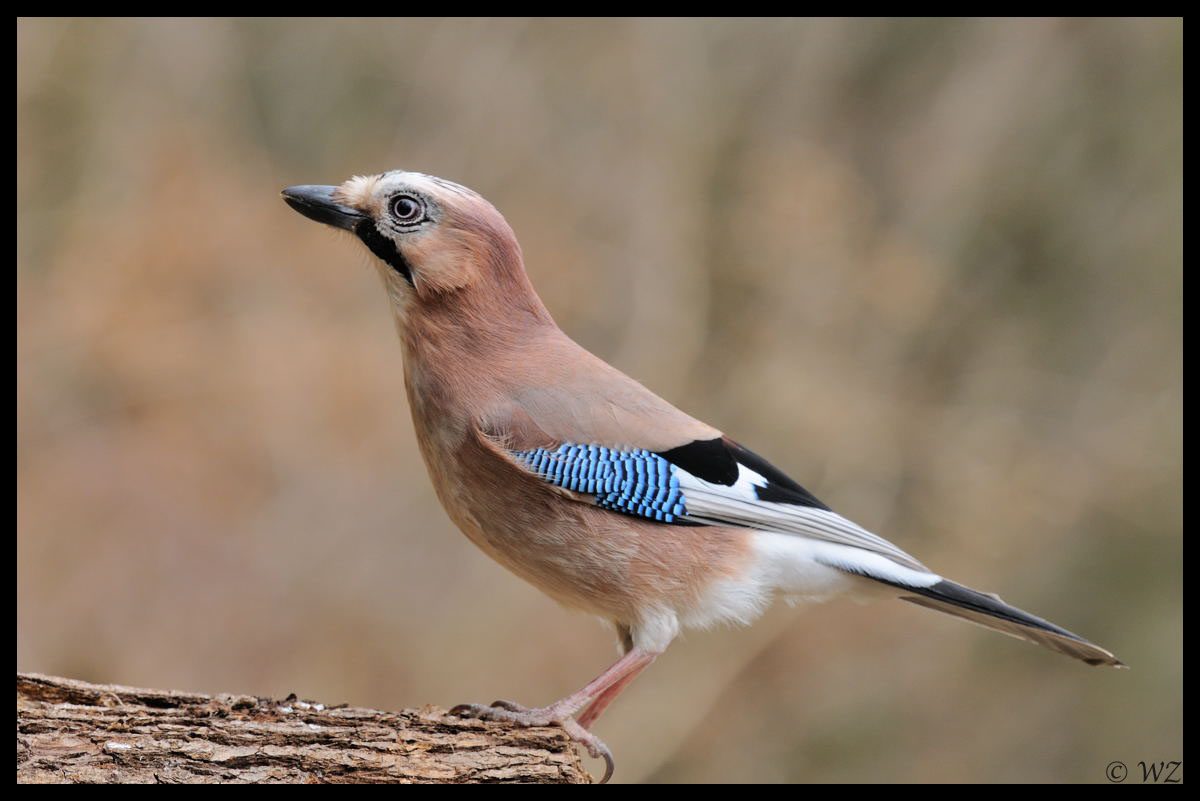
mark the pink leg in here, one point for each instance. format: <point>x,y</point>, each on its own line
<point>601,702</point>
<point>600,691</point>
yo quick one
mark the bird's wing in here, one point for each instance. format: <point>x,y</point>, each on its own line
<point>718,482</point>
<point>705,482</point>
<point>581,425</point>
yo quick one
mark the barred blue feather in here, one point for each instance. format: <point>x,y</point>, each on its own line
<point>635,482</point>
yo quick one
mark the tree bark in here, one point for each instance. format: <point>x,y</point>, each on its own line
<point>73,732</point>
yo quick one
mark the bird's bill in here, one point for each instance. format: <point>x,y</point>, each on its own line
<point>317,203</point>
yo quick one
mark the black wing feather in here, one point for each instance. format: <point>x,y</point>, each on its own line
<point>716,461</point>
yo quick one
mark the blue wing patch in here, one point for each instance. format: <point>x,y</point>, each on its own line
<point>635,482</point>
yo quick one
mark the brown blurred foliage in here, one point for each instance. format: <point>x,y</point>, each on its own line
<point>933,269</point>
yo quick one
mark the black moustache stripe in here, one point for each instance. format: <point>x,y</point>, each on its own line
<point>384,248</point>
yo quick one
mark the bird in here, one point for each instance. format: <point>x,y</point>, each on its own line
<point>582,481</point>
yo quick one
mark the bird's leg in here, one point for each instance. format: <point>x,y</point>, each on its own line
<point>596,708</point>
<point>599,693</point>
<point>614,679</point>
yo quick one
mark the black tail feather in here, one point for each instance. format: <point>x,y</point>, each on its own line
<point>990,611</point>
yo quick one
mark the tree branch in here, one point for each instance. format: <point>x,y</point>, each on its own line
<point>71,732</point>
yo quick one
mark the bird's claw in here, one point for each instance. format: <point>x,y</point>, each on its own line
<point>511,706</point>
<point>594,745</point>
<point>506,711</point>
<point>510,712</point>
<point>478,711</point>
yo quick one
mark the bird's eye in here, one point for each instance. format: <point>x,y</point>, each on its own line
<point>406,208</point>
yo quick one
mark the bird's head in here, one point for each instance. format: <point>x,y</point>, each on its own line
<point>437,244</point>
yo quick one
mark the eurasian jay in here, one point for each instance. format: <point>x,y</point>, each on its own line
<point>588,485</point>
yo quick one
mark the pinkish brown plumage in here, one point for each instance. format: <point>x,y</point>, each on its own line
<point>582,481</point>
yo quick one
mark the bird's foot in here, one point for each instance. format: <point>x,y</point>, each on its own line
<point>553,715</point>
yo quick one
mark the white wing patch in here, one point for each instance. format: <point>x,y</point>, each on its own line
<point>739,505</point>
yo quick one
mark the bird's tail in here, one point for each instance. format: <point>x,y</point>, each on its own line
<point>988,610</point>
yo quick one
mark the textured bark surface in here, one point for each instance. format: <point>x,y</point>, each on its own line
<point>71,731</point>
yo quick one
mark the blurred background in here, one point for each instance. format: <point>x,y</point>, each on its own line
<point>932,269</point>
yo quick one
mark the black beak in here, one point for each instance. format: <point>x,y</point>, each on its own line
<point>317,203</point>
